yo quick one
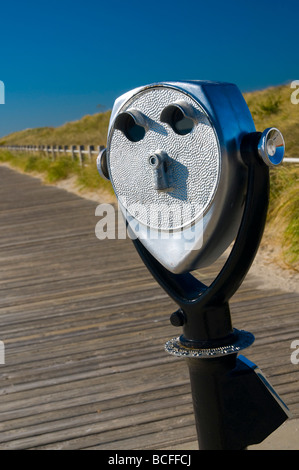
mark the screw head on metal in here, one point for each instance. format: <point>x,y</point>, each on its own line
<point>271,146</point>
<point>178,318</point>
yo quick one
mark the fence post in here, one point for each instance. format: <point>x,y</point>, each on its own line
<point>81,157</point>
<point>53,152</point>
<point>90,150</point>
<point>73,151</point>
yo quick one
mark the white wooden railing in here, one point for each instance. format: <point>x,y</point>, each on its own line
<point>76,151</point>
<point>52,151</point>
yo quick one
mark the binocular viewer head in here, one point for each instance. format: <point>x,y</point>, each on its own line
<point>174,159</point>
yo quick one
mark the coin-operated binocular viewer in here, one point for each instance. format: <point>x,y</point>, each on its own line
<point>191,175</point>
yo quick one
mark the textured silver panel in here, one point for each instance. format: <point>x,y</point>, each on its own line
<point>195,164</point>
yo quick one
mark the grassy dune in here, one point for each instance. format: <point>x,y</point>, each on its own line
<point>90,130</point>
<point>269,107</point>
<point>273,107</point>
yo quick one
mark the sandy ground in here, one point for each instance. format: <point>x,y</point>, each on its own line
<point>270,274</point>
<point>70,185</point>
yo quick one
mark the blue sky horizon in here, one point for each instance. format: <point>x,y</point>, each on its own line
<point>63,60</point>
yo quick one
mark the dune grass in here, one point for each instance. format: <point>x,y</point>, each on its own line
<point>272,107</point>
<point>90,130</point>
<point>282,229</point>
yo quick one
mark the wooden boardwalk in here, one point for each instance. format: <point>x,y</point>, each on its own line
<point>84,326</point>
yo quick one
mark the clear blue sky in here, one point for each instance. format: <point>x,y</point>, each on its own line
<point>60,59</point>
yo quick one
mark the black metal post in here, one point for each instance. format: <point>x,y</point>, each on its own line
<point>233,406</point>
<point>207,377</point>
